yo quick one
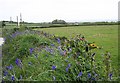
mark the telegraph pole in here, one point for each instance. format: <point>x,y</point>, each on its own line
<point>17,22</point>
<point>10,19</point>
<point>20,19</point>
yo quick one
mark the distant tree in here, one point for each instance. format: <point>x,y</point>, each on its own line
<point>56,21</point>
<point>3,23</point>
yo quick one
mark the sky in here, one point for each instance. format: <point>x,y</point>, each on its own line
<point>68,10</point>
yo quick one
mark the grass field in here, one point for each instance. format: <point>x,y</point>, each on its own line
<point>105,36</point>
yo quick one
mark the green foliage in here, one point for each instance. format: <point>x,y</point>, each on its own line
<point>58,21</point>
<point>38,56</point>
<point>3,24</point>
<point>22,27</point>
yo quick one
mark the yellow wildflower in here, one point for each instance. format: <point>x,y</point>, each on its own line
<point>93,45</point>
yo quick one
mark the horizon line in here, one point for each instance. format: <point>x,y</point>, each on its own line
<point>69,21</point>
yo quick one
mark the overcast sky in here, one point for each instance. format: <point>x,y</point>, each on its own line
<point>68,10</point>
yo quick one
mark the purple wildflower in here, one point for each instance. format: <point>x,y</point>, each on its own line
<point>49,50</point>
<point>67,69</point>
<point>15,34</point>
<point>53,67</point>
<point>12,78</point>
<point>69,65</point>
<point>58,40</point>
<point>31,50</point>
<point>10,67</point>
<point>93,78</point>
<point>59,48</point>
<point>110,75</point>
<point>80,74</point>
<point>89,75</point>
<point>61,52</point>
<point>18,62</point>
<point>52,45</point>
<point>5,73</point>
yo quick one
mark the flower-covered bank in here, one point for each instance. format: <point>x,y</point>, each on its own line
<point>38,56</point>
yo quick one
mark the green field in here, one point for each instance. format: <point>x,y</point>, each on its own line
<point>105,36</point>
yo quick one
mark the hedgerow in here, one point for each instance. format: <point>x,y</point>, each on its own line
<point>38,56</point>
